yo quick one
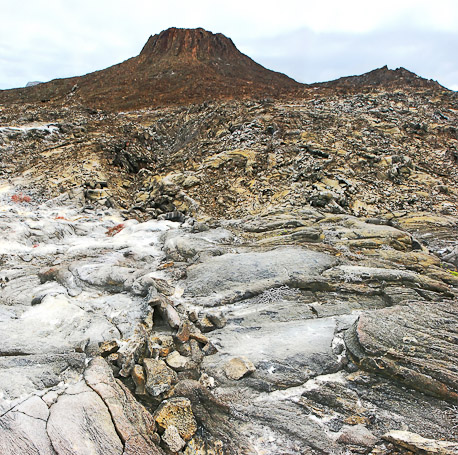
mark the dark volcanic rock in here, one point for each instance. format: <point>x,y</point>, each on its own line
<point>414,344</point>
<point>380,77</point>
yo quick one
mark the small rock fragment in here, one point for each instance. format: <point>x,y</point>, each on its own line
<point>207,381</point>
<point>238,367</point>
<point>172,317</point>
<point>172,439</point>
<point>183,332</point>
<point>138,376</point>
<point>176,361</point>
<point>218,320</point>
<point>209,349</point>
<point>160,345</point>
<point>201,338</point>
<point>159,377</point>
<point>192,316</point>
<point>177,412</point>
<point>196,353</point>
<point>205,324</point>
<point>163,287</point>
<point>108,347</point>
<point>130,352</point>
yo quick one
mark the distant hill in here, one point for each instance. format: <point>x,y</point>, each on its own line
<point>185,66</point>
<point>380,78</point>
<point>177,66</point>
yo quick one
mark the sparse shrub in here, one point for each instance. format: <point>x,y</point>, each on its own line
<point>19,198</point>
<point>114,230</point>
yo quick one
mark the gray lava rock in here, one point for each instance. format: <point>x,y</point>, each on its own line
<point>159,377</point>
<point>233,277</point>
<point>396,342</point>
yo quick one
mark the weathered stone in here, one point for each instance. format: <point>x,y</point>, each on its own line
<point>177,412</point>
<point>184,332</point>
<point>196,354</point>
<point>24,375</point>
<point>159,377</point>
<point>23,429</point>
<point>163,287</point>
<point>205,324</point>
<point>161,345</point>
<point>172,317</point>
<point>238,367</point>
<point>108,347</point>
<point>197,446</point>
<point>176,361</point>
<point>231,277</point>
<point>209,349</point>
<point>207,381</point>
<point>87,429</point>
<point>357,435</point>
<point>193,316</point>
<point>138,376</point>
<point>134,424</point>
<point>131,351</point>
<point>172,439</point>
<point>420,445</point>
<point>201,338</point>
<point>187,246</point>
<point>395,342</point>
<point>218,320</point>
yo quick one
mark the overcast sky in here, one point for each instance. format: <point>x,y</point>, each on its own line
<point>311,41</point>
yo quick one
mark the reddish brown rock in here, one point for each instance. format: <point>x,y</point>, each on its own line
<point>184,332</point>
<point>205,66</point>
<point>134,424</point>
<point>138,376</point>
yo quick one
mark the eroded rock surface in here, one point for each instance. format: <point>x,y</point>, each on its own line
<point>326,340</point>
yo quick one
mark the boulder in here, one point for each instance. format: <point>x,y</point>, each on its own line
<point>238,367</point>
<point>159,377</point>
<point>177,412</point>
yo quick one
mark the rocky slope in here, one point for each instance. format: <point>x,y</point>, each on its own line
<point>177,66</point>
<point>272,276</point>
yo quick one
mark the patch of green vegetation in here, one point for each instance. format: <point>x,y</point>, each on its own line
<point>453,272</point>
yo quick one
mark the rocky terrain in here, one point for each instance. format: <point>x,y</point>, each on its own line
<point>267,270</point>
